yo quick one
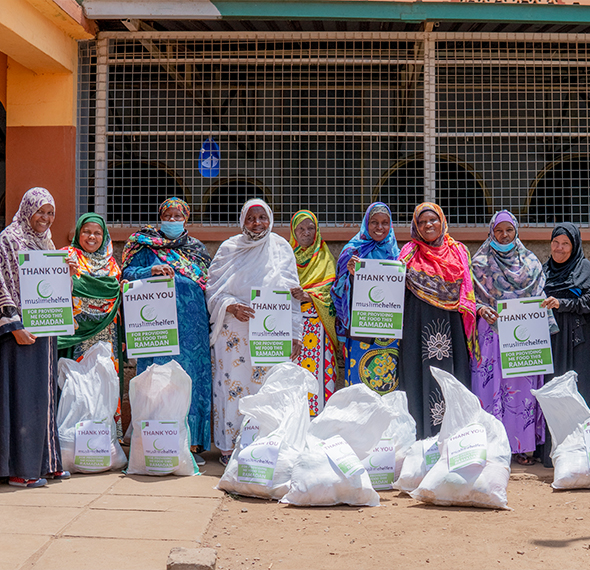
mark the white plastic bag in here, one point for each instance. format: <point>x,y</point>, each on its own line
<point>160,399</point>
<point>474,485</point>
<point>417,463</point>
<point>280,414</point>
<point>565,412</point>
<point>385,461</point>
<point>90,392</point>
<point>359,417</point>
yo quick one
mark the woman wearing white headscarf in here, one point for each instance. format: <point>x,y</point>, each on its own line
<point>255,258</point>
<point>29,443</point>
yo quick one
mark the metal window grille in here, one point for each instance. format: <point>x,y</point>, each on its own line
<point>334,121</point>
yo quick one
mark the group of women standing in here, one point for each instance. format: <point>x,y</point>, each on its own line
<point>450,307</point>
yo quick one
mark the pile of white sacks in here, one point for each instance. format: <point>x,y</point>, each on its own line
<point>361,443</point>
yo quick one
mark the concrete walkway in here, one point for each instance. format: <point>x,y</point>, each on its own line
<point>106,521</point>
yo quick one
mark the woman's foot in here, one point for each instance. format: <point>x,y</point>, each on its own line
<point>28,483</point>
<point>224,459</point>
<point>523,459</point>
<point>198,459</point>
<point>58,475</point>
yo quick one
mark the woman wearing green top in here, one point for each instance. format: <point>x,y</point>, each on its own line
<point>96,294</point>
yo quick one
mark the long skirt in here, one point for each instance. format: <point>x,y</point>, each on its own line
<point>233,377</point>
<point>432,337</point>
<point>372,362</point>
<point>318,356</point>
<point>29,442</point>
<point>508,399</point>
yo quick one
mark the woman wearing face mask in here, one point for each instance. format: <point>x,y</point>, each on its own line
<point>439,316</point>
<point>254,258</point>
<point>370,361</point>
<point>316,268</point>
<point>171,252</point>
<point>504,269</point>
<point>96,295</point>
<point>568,294</point>
<point>29,443</point>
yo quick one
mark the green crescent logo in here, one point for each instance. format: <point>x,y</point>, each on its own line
<point>89,446</point>
<point>524,333</point>
<point>461,444</point>
<point>377,296</point>
<point>157,448</point>
<point>146,312</point>
<point>271,323</point>
<point>252,454</point>
<point>371,463</point>
<point>44,289</point>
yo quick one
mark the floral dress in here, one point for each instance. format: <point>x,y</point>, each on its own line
<point>318,356</point>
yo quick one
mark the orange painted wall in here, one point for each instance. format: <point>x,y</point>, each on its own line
<point>43,156</point>
<point>3,78</point>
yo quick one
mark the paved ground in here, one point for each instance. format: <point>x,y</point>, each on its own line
<point>105,521</point>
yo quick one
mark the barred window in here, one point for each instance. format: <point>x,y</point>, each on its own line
<point>334,121</point>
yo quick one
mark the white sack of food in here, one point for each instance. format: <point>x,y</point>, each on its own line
<point>385,461</point>
<point>89,395</point>
<point>354,417</point>
<point>160,399</point>
<point>566,412</point>
<point>272,435</point>
<point>420,458</point>
<point>470,472</point>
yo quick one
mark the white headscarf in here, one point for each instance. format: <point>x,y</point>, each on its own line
<point>243,262</point>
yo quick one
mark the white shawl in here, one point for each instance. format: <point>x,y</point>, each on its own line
<point>242,263</point>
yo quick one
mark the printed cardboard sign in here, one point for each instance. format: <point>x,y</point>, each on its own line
<point>467,447</point>
<point>151,324</point>
<point>525,343</point>
<point>431,454</point>
<point>92,445</point>
<point>46,292</point>
<point>342,456</point>
<point>258,461</point>
<point>250,431</point>
<point>378,299</point>
<point>161,446</point>
<point>380,465</point>
<point>271,329</point>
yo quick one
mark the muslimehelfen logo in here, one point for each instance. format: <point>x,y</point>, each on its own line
<point>148,314</point>
<point>521,333</point>
<point>376,295</point>
<point>269,323</point>
<point>44,289</point>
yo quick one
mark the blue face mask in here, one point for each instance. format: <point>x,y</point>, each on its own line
<point>172,230</point>
<point>503,248</point>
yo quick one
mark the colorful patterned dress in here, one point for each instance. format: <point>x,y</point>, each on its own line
<point>316,268</point>
<point>370,361</point>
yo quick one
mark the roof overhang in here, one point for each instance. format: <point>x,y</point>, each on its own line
<point>542,11</point>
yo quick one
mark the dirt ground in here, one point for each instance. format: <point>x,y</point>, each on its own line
<point>546,529</point>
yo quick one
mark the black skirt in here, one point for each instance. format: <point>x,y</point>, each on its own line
<point>29,443</point>
<point>431,337</point>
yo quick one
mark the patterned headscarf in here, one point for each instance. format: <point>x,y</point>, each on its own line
<point>19,235</point>
<point>505,275</point>
<point>365,247</point>
<point>101,263</point>
<point>316,268</point>
<point>439,273</point>
<point>175,203</point>
<point>185,254</point>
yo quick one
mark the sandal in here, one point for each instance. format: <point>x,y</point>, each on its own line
<point>28,483</point>
<point>58,475</point>
<point>224,459</point>
<point>523,459</point>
